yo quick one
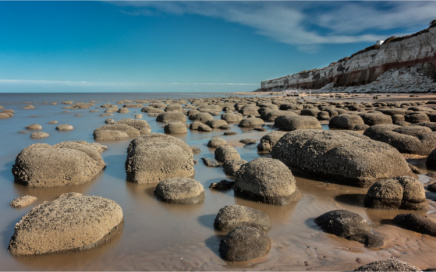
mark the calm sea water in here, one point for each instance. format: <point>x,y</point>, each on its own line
<point>160,236</point>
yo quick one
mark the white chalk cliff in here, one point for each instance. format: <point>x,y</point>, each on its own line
<point>415,53</point>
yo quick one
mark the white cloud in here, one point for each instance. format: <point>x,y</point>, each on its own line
<point>303,23</point>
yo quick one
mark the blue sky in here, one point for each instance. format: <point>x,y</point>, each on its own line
<point>210,46</point>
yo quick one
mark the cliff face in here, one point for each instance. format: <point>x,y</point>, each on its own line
<point>367,65</point>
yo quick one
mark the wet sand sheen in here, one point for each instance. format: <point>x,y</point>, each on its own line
<point>160,236</point>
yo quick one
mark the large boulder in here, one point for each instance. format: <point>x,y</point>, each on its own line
<point>180,191</point>
<point>267,180</point>
<point>290,122</point>
<point>398,193</point>
<point>70,222</point>
<point>372,119</point>
<point>388,265</point>
<point>251,122</point>
<point>244,243</point>
<point>115,132</point>
<point>171,117</point>
<point>346,121</point>
<point>157,157</point>
<point>66,163</point>
<point>350,226</point>
<point>269,140</point>
<point>416,222</point>
<point>232,166</point>
<point>346,157</point>
<point>411,139</point>
<point>141,125</point>
<point>234,216</point>
<point>175,128</point>
<point>225,153</point>
<point>231,117</point>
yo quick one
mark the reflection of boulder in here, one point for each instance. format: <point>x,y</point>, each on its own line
<point>70,222</point>
<point>341,155</point>
<point>397,193</point>
<point>66,163</point>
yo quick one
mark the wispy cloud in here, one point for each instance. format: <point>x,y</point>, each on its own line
<point>303,22</point>
<point>113,84</point>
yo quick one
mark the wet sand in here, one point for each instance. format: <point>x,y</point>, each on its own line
<point>160,236</point>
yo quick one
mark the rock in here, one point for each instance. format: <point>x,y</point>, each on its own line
<point>141,125</point>
<point>34,127</point>
<point>70,222</point>
<point>152,110</point>
<point>225,152</point>
<point>156,157</point>
<point>232,166</point>
<point>346,121</point>
<point>171,117</point>
<point>398,193</point>
<point>411,139</point>
<point>123,110</point>
<point>4,115</point>
<point>175,128</point>
<point>180,191</point>
<point>210,163</point>
<point>29,107</point>
<point>66,163</point>
<point>229,133</point>
<point>65,127</point>
<point>261,129</point>
<point>269,140</point>
<point>216,141</point>
<point>248,141</point>
<point>109,121</point>
<point>222,185</point>
<point>195,149</point>
<point>415,169</point>
<point>418,117</point>
<point>350,226</point>
<point>388,265</point>
<point>431,160</point>
<point>416,222</point>
<point>251,122</point>
<point>290,123</point>
<point>232,117</point>
<point>39,135</point>
<point>271,115</point>
<point>432,187</point>
<point>233,216</point>
<point>202,117</point>
<point>216,123</point>
<point>24,201</point>
<point>244,243</point>
<point>361,127</point>
<point>267,180</point>
<point>372,119</point>
<point>115,132</point>
<point>343,156</point>
<point>174,107</point>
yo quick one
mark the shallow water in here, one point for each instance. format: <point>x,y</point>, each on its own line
<point>160,236</point>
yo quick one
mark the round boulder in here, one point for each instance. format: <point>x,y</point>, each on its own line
<point>70,222</point>
<point>269,140</point>
<point>66,163</point>
<point>234,216</point>
<point>65,127</point>
<point>180,191</point>
<point>175,128</point>
<point>225,153</point>
<point>398,193</point>
<point>216,141</point>
<point>39,135</point>
<point>251,122</point>
<point>173,116</point>
<point>290,122</point>
<point>346,121</point>
<point>388,265</point>
<point>232,166</point>
<point>244,243</point>
<point>34,127</point>
<point>267,180</point>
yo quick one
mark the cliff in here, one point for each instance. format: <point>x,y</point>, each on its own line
<point>367,65</point>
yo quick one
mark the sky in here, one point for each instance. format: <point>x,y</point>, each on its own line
<point>186,46</point>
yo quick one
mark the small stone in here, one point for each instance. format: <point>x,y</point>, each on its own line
<point>210,163</point>
<point>23,201</point>
<point>222,185</point>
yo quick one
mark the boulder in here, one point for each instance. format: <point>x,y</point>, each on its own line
<point>232,166</point>
<point>350,226</point>
<point>270,116</point>
<point>222,185</point>
<point>248,141</point>
<point>431,160</point>
<point>225,153</point>
<point>180,191</point>
<point>234,216</point>
<point>416,222</point>
<point>65,127</point>
<point>69,223</point>
<point>23,201</point>
<point>156,157</point>
<point>411,139</point>
<point>344,156</point>
<point>66,163</point>
<point>267,180</point>
<point>175,128</point>
<point>202,117</point>
<point>39,135</point>
<point>388,265</point>
<point>34,127</point>
<point>372,119</point>
<point>244,243</point>
<point>398,193</point>
<point>269,140</point>
<point>232,117</point>
<point>115,132</point>
<point>141,125</point>
<point>216,141</point>
<point>251,122</point>
<point>123,110</point>
<point>174,107</point>
<point>290,123</point>
<point>174,116</point>
<point>216,123</point>
<point>346,121</point>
